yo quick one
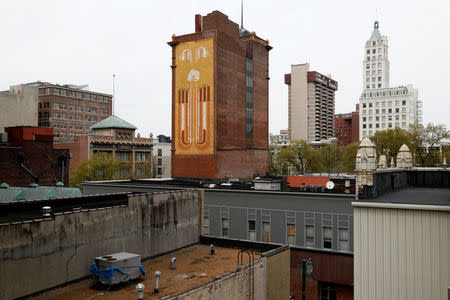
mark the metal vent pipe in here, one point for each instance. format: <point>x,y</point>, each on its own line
<point>157,274</point>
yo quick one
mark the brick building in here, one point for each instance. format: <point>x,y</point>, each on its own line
<point>116,138</point>
<point>220,88</point>
<point>29,157</point>
<point>346,127</point>
<point>311,104</point>
<point>70,110</point>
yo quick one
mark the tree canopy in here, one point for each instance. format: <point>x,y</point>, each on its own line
<point>99,167</point>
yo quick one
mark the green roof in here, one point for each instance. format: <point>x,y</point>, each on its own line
<point>113,122</point>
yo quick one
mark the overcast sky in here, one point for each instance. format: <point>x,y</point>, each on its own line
<point>85,42</point>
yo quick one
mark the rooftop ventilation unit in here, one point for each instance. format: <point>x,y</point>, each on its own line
<point>117,268</point>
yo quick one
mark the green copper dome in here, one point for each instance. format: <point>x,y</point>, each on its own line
<point>113,122</point>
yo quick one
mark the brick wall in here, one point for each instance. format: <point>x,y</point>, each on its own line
<point>234,153</point>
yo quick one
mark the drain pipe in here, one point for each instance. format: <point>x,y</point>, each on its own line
<point>140,288</point>
<point>62,171</point>
<point>172,263</point>
<point>36,179</point>
<point>158,274</point>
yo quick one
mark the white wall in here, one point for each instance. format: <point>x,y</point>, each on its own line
<point>401,251</point>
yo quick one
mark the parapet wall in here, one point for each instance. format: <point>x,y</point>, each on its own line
<point>394,179</point>
<point>39,254</point>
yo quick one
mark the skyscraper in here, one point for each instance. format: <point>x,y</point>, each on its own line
<point>311,104</point>
<point>382,107</point>
<point>220,89</point>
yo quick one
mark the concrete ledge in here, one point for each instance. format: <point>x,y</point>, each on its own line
<point>400,206</point>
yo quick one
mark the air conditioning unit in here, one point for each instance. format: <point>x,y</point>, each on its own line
<point>117,268</point>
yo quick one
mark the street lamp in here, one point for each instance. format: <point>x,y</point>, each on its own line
<point>307,270</point>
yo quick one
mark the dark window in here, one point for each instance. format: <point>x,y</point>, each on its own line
<point>224,227</point>
<point>159,152</point>
<point>327,291</point>
<point>252,230</point>
<point>249,98</point>
<point>327,237</point>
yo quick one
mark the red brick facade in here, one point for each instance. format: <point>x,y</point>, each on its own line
<point>235,153</point>
<point>32,148</point>
<point>346,127</point>
<point>331,271</point>
<point>70,112</point>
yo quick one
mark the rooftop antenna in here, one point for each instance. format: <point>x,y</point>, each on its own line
<point>242,13</point>
<point>114,92</point>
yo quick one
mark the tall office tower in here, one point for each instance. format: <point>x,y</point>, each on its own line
<point>311,104</point>
<point>382,107</point>
<point>346,127</point>
<point>220,84</point>
<point>376,63</point>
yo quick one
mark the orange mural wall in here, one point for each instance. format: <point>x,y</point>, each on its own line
<point>194,104</point>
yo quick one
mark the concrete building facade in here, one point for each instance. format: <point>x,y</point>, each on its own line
<point>383,107</point>
<point>346,127</point>
<point>220,99</point>
<point>161,160</point>
<point>310,104</point>
<point>18,106</point>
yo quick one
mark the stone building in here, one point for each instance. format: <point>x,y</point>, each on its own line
<point>114,138</point>
<point>161,157</point>
<point>383,107</point>
<point>220,99</point>
<point>311,104</point>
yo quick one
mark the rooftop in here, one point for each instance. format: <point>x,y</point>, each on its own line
<point>194,267</point>
<point>416,196</point>
<point>13,194</point>
<point>113,122</point>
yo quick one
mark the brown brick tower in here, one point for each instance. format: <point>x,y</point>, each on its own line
<point>220,85</point>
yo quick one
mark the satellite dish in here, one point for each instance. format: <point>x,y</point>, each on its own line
<point>330,185</point>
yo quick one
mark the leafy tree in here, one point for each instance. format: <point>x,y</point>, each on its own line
<point>430,136</point>
<point>100,167</point>
<point>388,142</point>
<point>298,155</point>
<point>348,157</point>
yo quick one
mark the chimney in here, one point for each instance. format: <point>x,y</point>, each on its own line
<point>357,106</point>
<point>198,23</point>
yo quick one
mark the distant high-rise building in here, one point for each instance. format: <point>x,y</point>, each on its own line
<point>382,107</point>
<point>346,127</point>
<point>220,83</point>
<point>311,104</point>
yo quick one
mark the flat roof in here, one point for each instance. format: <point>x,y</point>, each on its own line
<point>415,195</point>
<point>194,267</point>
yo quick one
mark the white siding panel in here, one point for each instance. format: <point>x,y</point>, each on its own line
<point>401,253</point>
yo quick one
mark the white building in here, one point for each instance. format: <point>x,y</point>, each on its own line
<point>382,107</point>
<point>281,139</point>
<point>161,159</point>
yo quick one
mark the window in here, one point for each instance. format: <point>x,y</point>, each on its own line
<point>370,111</point>
<point>383,104</point>
<point>364,119</point>
<point>383,125</point>
<point>389,103</point>
<point>403,124</point>
<point>249,99</point>
<point>291,234</point>
<point>397,110</point>
<point>364,112</point>
<point>367,73</point>
<point>370,119</point>
<point>373,86</point>
<point>377,125</point>
<point>379,78</point>
<point>373,66</point>
<point>379,50</point>
<point>403,102</point>
<point>404,117</point>
<point>327,235</point>
<point>377,111</point>
<point>379,72</point>
<point>377,118</point>
<point>379,56</point>
<point>390,118</point>
<point>225,227</point>
<point>370,104</point>
<point>364,105</point>
<point>159,152</point>
<point>309,235</point>
<point>343,239</point>
<point>124,156</point>
<point>374,72</point>
<point>327,291</point>
<point>379,65</point>
<point>266,232</point>
<point>370,125</point>
<point>397,103</point>
<point>368,66</point>
<point>373,50</point>
<point>379,85</point>
<point>206,225</point>
<point>403,109</point>
<point>368,51</point>
<point>252,230</point>
<point>367,79</point>
<point>368,57</point>
<point>390,125</point>
<point>390,110</point>
<point>142,156</point>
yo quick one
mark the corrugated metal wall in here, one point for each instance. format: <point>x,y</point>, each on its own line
<point>401,253</point>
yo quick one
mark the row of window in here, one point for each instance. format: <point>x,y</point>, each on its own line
<point>70,125</point>
<point>384,125</point>
<point>383,111</point>
<point>75,94</point>
<point>78,108</point>
<point>374,50</point>
<point>374,57</point>
<point>58,115</point>
<point>373,79</point>
<point>383,104</point>
<point>327,233</point>
<point>389,93</point>
<point>374,72</point>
